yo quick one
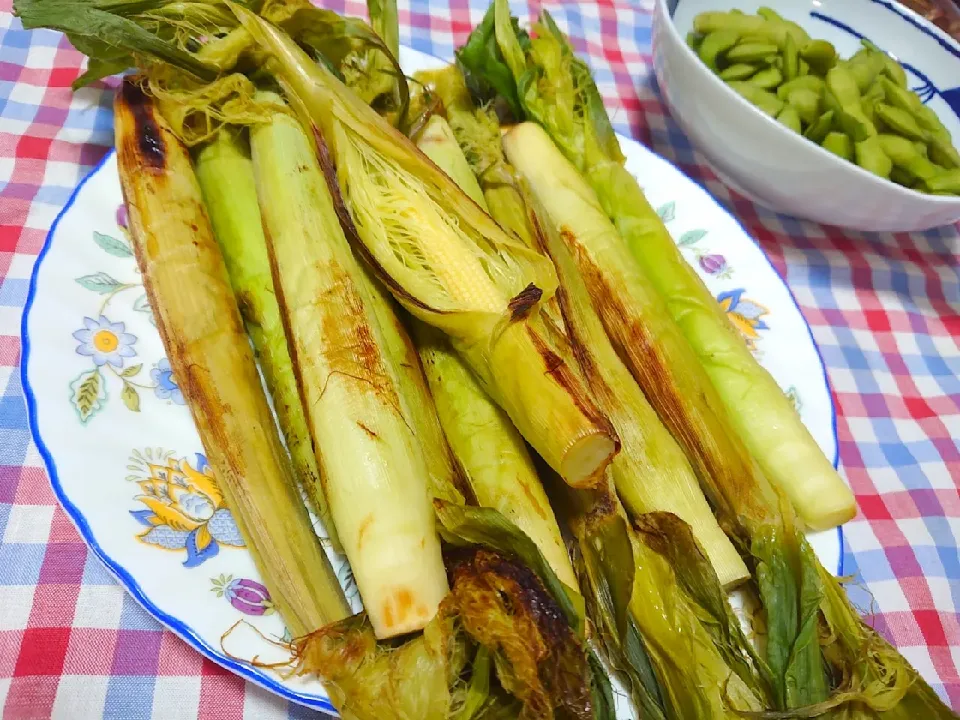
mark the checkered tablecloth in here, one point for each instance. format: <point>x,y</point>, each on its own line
<point>885,311</point>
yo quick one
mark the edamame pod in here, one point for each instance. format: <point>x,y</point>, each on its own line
<point>714,44</point>
<point>900,97</point>
<point>806,103</point>
<point>928,120</point>
<point>902,177</point>
<point>871,157</point>
<point>791,58</point>
<point>804,82</point>
<point>763,99</point>
<point>820,54</point>
<point>768,79</point>
<point>943,153</point>
<point>891,68</point>
<point>842,83</point>
<point>855,123</point>
<point>865,66</point>
<point>693,41</point>
<point>839,144</point>
<point>752,52</point>
<point>768,13</point>
<point>818,131</point>
<point>899,121</point>
<point>739,71</point>
<point>789,117</point>
<point>904,155</point>
<point>946,182</point>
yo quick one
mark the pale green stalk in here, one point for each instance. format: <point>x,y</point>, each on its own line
<point>376,477</point>
<point>225,173</point>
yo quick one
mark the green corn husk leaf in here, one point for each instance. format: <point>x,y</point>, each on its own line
<point>692,678</point>
<point>603,555</point>
<point>103,36</point>
<point>672,538</point>
<point>364,59</point>
<point>225,172</point>
<point>386,23</point>
<point>486,74</point>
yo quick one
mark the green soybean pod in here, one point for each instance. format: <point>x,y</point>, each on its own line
<point>791,58</point>
<point>899,121</point>
<point>804,68</point>
<point>842,83</point>
<point>768,78</point>
<point>693,41</point>
<point>768,13</point>
<point>738,71</point>
<point>928,120</point>
<point>865,66</point>
<point>855,123</point>
<point>752,52</point>
<point>946,182</point>
<point>763,99</point>
<point>943,153</point>
<point>714,44</point>
<point>806,103</point>
<point>905,156</point>
<point>804,82</point>
<point>819,129</point>
<point>891,68</point>
<point>871,157</point>
<point>789,117</point>
<point>902,177</point>
<point>820,54</point>
<point>839,144</point>
<point>922,148</point>
<point>900,97</point>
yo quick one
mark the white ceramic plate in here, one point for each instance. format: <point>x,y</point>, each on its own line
<point>108,417</point>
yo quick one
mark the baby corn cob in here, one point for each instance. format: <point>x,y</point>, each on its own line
<point>225,173</point>
<point>374,469</point>
<point>196,314</point>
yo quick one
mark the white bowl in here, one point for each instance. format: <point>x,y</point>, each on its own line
<point>778,168</point>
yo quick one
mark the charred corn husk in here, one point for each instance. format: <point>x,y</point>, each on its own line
<point>196,314</point>
<point>225,173</point>
<point>375,474</point>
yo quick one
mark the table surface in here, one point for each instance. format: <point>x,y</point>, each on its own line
<point>884,308</point>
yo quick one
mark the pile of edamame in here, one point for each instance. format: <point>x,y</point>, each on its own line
<point>860,109</point>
